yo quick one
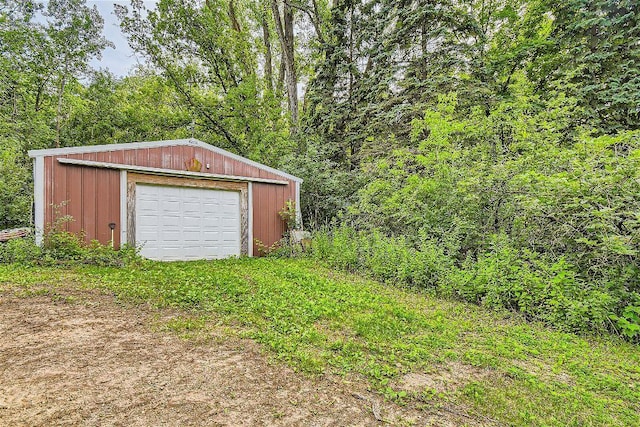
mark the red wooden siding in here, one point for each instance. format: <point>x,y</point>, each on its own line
<point>92,195</point>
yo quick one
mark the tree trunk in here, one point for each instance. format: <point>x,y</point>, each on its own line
<point>63,83</point>
<point>313,14</point>
<point>317,23</point>
<point>280,83</point>
<point>268,66</point>
<point>234,19</point>
<point>292,81</point>
<point>284,28</point>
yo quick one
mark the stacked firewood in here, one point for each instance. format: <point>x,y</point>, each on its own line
<point>14,233</point>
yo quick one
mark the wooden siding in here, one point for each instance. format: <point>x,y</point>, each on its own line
<point>92,195</point>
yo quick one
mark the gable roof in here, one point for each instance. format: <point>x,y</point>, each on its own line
<point>158,144</point>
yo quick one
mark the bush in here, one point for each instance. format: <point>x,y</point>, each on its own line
<point>538,223</point>
<point>503,277</point>
<point>61,247</point>
<point>339,247</point>
<point>20,251</point>
<point>532,284</point>
<point>629,322</point>
<point>16,189</point>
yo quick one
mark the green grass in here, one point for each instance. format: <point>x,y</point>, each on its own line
<point>317,320</point>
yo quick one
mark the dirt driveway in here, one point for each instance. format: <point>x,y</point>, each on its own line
<point>93,362</point>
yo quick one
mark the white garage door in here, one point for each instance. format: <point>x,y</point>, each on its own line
<point>183,223</point>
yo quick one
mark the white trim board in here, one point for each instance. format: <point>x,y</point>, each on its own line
<point>156,144</point>
<point>250,219</point>
<point>298,209</point>
<point>38,198</point>
<point>165,172</point>
<point>123,207</point>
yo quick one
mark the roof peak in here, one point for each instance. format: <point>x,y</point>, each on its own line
<point>156,144</point>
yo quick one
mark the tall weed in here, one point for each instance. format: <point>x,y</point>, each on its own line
<point>503,277</point>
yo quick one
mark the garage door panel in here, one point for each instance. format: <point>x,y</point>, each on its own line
<point>171,206</point>
<point>148,215</point>
<point>192,229</point>
<point>148,205</point>
<point>147,237</point>
<point>210,210</point>
<point>192,251</point>
<point>192,237</point>
<point>189,207</point>
<point>228,195</point>
<point>170,220</point>
<point>171,238</point>
<point>175,223</point>
<point>227,224</point>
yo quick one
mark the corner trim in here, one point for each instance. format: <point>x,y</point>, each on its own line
<point>298,209</point>
<point>38,198</point>
<point>123,207</point>
<point>250,225</point>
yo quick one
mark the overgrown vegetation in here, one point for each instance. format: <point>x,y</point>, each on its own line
<point>317,320</point>
<point>499,138</point>
<point>528,224</point>
<point>61,248</point>
<point>539,286</point>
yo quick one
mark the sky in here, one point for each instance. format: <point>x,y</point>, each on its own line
<point>121,59</point>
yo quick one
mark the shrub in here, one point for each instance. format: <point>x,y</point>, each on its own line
<point>61,247</point>
<point>340,247</point>
<point>629,322</point>
<point>20,251</point>
<point>504,277</point>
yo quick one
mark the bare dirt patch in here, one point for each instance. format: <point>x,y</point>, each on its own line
<point>85,360</point>
<point>450,377</point>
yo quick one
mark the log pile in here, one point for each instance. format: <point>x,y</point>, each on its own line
<point>14,233</point>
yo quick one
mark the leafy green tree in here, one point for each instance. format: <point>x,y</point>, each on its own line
<point>385,62</point>
<point>15,185</point>
<point>594,56</point>
<point>23,81</point>
<point>41,59</point>
<point>209,55</point>
<point>40,66</point>
<point>74,37</point>
<point>140,107</point>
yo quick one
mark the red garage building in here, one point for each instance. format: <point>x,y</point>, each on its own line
<point>177,200</point>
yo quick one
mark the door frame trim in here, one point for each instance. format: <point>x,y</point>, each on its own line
<point>168,181</point>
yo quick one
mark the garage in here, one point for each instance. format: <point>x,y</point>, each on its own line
<point>185,223</point>
<point>174,200</point>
